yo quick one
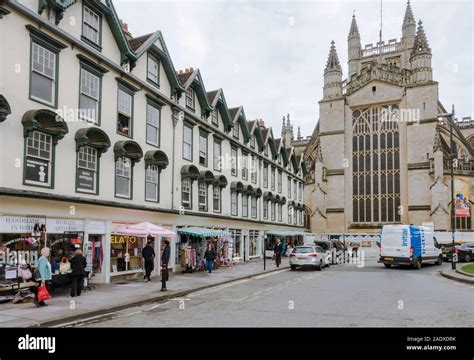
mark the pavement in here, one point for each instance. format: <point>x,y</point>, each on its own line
<point>339,296</point>
<point>108,298</point>
<point>458,275</point>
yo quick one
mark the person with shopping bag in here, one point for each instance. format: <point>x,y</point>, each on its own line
<point>42,275</point>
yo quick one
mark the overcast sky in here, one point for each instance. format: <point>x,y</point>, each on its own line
<point>269,56</point>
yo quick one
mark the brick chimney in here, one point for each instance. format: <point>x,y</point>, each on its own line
<point>261,122</point>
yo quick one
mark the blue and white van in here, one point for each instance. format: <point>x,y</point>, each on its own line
<point>409,245</point>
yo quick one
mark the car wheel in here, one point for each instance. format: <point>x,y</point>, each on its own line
<point>293,267</point>
<point>467,258</point>
<point>440,260</point>
<point>388,266</point>
<point>320,266</point>
<point>417,264</point>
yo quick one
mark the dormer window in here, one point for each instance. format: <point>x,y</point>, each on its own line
<point>252,142</point>
<point>91,27</point>
<point>265,151</point>
<point>153,70</point>
<point>214,118</point>
<point>235,131</point>
<point>190,98</point>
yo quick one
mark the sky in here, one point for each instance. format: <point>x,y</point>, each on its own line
<point>269,56</point>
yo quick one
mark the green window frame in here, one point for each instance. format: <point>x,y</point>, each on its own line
<point>122,173</point>
<point>217,155</point>
<point>125,110</point>
<point>150,76</point>
<point>37,145</point>
<point>89,25</point>
<point>88,73</point>
<point>187,184</point>
<point>153,123</point>
<point>88,160</point>
<point>217,198</point>
<point>234,205</point>
<point>203,148</point>
<point>234,154</point>
<point>188,141</point>
<point>190,98</point>
<point>152,178</point>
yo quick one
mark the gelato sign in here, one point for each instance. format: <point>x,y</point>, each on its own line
<point>19,224</point>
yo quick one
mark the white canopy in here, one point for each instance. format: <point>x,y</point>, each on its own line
<point>143,229</point>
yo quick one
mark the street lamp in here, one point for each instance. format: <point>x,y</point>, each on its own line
<point>450,118</point>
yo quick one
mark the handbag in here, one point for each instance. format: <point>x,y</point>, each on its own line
<point>43,293</point>
<point>25,274</point>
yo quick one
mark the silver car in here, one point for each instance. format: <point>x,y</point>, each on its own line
<point>308,256</point>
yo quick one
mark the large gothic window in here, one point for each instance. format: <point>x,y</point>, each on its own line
<point>376,165</point>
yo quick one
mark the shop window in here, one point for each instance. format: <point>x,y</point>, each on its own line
<point>39,155</point>
<point>43,80</point>
<point>123,178</point>
<point>125,253</point>
<point>253,242</point>
<point>87,165</point>
<point>186,193</point>
<point>125,110</point>
<point>153,115</point>
<point>217,192</point>
<point>233,203</point>
<point>152,181</point>
<point>202,195</point>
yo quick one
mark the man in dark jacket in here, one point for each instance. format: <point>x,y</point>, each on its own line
<point>277,251</point>
<point>148,253</point>
<point>165,258</point>
<point>78,267</point>
<point>210,256</point>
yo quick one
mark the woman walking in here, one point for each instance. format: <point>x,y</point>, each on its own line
<point>210,256</point>
<point>42,274</point>
<point>78,266</point>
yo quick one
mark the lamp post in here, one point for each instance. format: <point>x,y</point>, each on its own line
<point>264,252</point>
<point>452,153</point>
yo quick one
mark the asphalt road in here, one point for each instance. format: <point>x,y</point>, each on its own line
<point>341,296</point>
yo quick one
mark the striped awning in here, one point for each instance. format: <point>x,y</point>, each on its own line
<point>204,232</point>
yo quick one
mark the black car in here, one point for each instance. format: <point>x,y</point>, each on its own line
<point>465,252</point>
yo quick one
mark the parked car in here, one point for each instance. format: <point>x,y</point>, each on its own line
<point>308,256</point>
<point>446,250</point>
<point>409,245</point>
<point>330,250</point>
<point>465,252</point>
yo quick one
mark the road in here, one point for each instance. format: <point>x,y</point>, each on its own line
<point>341,296</point>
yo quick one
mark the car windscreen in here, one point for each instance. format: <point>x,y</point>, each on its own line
<point>303,250</point>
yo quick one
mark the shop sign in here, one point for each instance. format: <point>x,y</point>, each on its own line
<point>85,179</point>
<point>119,239</point>
<point>96,227</point>
<point>58,226</point>
<point>19,224</point>
<point>37,170</point>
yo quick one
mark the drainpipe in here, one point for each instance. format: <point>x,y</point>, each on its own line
<point>175,117</point>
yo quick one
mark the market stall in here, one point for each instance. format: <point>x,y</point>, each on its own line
<point>193,245</point>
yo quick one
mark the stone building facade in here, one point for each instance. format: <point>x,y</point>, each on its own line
<point>379,153</point>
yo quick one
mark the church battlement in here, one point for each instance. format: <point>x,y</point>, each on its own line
<point>371,49</point>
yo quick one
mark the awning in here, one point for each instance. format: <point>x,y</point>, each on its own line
<point>129,149</point>
<point>220,181</point>
<point>204,232</point>
<point>267,195</point>
<point>206,176</point>
<point>291,203</point>
<point>143,229</point>
<point>189,171</point>
<point>157,158</point>
<point>258,192</point>
<point>276,199</point>
<point>5,109</point>
<point>283,200</point>
<point>286,233</point>
<point>93,137</point>
<point>248,190</point>
<point>237,186</point>
<point>46,121</point>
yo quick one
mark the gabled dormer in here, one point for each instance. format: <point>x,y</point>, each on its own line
<point>195,95</point>
<point>220,116</point>
<point>240,129</point>
<point>269,149</point>
<point>154,63</point>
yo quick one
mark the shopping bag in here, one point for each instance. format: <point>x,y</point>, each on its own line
<point>43,293</point>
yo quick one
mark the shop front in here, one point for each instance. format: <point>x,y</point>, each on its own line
<point>193,242</point>
<point>287,238</point>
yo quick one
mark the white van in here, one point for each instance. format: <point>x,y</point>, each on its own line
<point>409,245</point>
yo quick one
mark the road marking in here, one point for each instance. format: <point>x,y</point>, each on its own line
<point>220,287</point>
<point>129,314</point>
<point>155,306</point>
<point>269,274</point>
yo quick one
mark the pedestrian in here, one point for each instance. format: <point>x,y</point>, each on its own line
<point>148,254</point>
<point>42,274</point>
<point>210,256</point>
<point>78,272</point>
<point>277,249</point>
<point>165,258</point>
